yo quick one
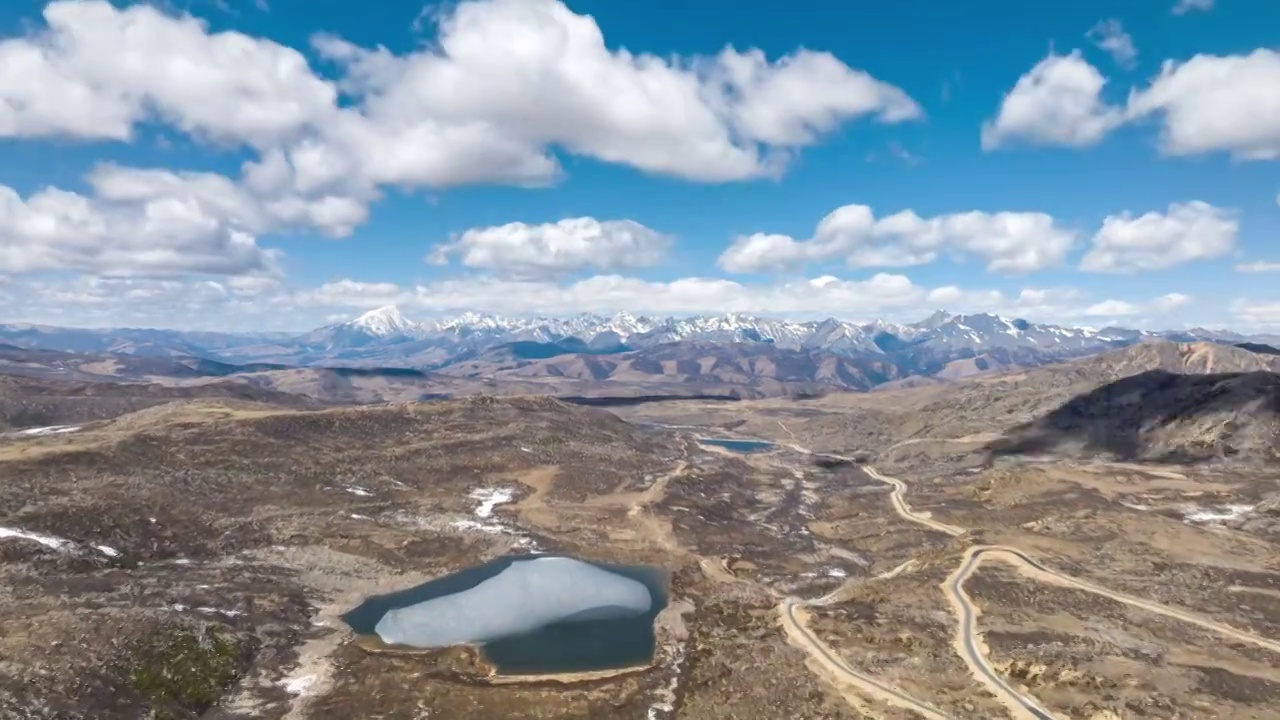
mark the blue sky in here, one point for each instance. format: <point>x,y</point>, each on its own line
<point>282,164</point>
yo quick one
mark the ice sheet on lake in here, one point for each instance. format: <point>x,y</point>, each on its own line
<point>525,596</point>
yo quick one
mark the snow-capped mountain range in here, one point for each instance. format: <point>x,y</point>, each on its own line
<point>384,337</point>
<point>978,332</point>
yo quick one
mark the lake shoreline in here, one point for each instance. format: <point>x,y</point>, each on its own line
<point>561,651</point>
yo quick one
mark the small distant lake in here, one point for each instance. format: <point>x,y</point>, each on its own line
<point>585,616</point>
<point>740,446</point>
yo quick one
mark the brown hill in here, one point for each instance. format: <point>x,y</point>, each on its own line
<point>1161,415</point>
<point>752,367</point>
<point>34,402</point>
<point>113,367</point>
<point>998,402</point>
<point>345,385</point>
<point>968,367</point>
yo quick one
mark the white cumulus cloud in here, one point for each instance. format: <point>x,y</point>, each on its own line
<point>1228,103</point>
<point>1008,242</point>
<point>265,304</point>
<point>58,230</point>
<point>1259,266</point>
<point>1109,36</point>
<point>1172,301</point>
<point>1153,241</point>
<point>91,301</point>
<point>463,109</point>
<point>256,206</point>
<point>886,295</point>
<point>1209,103</point>
<point>159,222</point>
<point>1182,7</point>
<point>550,249</point>
<point>1261,313</point>
<point>468,108</point>
<point>1112,308</point>
<point>96,71</point>
<point>1161,306</point>
<point>1058,102</point>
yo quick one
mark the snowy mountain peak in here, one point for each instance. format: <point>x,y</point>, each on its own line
<point>385,321</point>
<point>474,320</point>
<point>937,319</point>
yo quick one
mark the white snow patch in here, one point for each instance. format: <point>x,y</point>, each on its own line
<point>664,705</point>
<point>300,685</point>
<point>490,528</point>
<point>182,561</point>
<point>524,449</point>
<point>107,550</point>
<point>358,516</point>
<point>179,607</point>
<point>527,543</point>
<point>216,611</point>
<point>1226,512</point>
<point>490,498</point>
<point>836,573</point>
<point>50,541</point>
<point>357,490</point>
<point>49,430</point>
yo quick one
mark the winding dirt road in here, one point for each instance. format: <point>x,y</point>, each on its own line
<point>969,644</point>
<point>975,556</point>
<point>968,640</point>
<point>792,611</point>
<point>904,510</point>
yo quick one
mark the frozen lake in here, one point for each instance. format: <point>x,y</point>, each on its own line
<point>529,614</point>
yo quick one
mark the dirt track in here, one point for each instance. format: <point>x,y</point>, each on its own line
<point>968,640</point>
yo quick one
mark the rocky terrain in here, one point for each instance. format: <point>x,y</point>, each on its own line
<point>1160,526</point>
<point>988,406</point>
<point>1159,415</point>
<point>27,402</point>
<point>186,558</point>
<point>182,557</point>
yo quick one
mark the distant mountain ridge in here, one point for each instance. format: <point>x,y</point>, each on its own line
<point>730,345</point>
